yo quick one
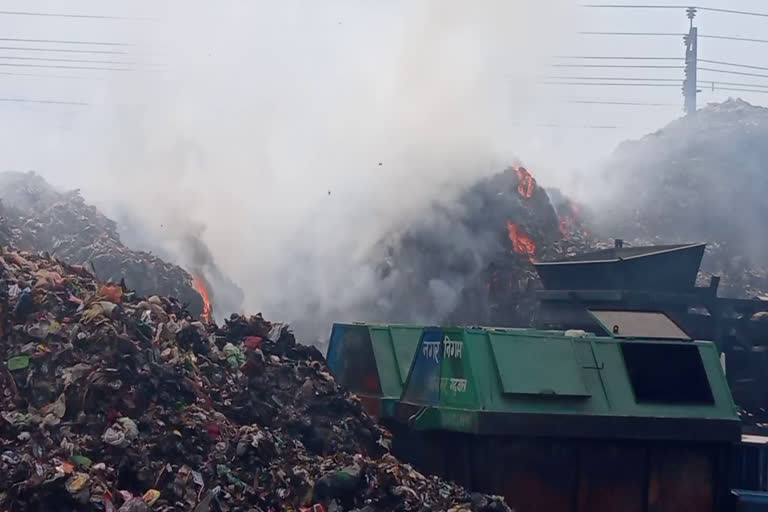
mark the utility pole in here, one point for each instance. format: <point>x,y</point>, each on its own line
<point>690,85</point>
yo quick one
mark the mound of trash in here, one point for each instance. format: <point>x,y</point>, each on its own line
<point>470,262</point>
<point>116,402</point>
<point>699,179</point>
<point>36,217</point>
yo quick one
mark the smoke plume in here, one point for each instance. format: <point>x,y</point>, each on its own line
<point>290,137</point>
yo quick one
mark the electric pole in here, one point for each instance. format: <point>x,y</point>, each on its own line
<point>690,85</point>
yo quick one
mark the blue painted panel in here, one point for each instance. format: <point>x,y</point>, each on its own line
<point>423,386</point>
<point>335,349</point>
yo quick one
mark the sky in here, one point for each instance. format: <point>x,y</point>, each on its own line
<point>290,135</point>
<point>54,126</point>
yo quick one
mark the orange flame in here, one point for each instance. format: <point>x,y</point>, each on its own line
<point>521,242</point>
<point>526,184</point>
<point>570,222</point>
<point>198,283</point>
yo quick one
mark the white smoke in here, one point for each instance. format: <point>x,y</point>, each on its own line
<point>295,134</point>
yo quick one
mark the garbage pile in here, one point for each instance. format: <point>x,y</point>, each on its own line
<point>36,217</point>
<point>116,402</point>
<point>699,179</point>
<point>471,263</point>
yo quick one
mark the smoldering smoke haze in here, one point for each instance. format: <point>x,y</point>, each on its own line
<point>297,134</point>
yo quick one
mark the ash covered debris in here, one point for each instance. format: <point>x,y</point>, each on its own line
<point>36,217</point>
<point>115,402</point>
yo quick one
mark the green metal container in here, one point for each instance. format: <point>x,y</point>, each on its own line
<point>372,361</point>
<point>554,422</point>
<point>488,382</point>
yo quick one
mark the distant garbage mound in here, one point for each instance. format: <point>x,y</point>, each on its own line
<point>701,178</point>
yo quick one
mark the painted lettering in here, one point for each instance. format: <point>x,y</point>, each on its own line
<point>431,350</point>
<point>453,348</point>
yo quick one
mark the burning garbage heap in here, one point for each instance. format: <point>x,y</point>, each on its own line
<point>473,264</point>
<point>36,217</point>
<point>575,224</point>
<point>679,185</point>
<point>114,401</point>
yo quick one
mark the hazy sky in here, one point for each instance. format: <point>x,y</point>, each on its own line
<point>244,115</point>
<point>51,127</point>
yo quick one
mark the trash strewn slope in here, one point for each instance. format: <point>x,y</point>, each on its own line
<point>117,402</point>
<point>36,217</point>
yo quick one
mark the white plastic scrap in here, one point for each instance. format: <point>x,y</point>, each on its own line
<point>277,330</point>
<point>122,433</point>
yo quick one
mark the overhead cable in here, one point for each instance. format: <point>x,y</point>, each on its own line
<point>82,61</point>
<point>732,64</point>
<point>45,66</point>
<point>703,82</point>
<point>676,34</point>
<point>556,77</point>
<point>627,103</point>
<point>621,66</point>
<point>706,9</point>
<point>739,90</point>
<point>728,72</point>
<point>37,75</point>
<point>57,41</point>
<point>731,38</point>
<point>605,57</point>
<point>608,84</point>
<point>65,15</point>
<point>61,50</point>
<point>55,102</point>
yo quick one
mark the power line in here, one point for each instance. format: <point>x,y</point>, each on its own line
<point>54,102</point>
<point>61,50</point>
<point>672,34</point>
<point>553,125</point>
<point>622,66</point>
<point>591,57</point>
<point>634,6</point>
<point>611,84</point>
<point>710,9</point>
<point>627,103</point>
<point>732,64</point>
<point>610,78</point>
<point>19,40</point>
<point>739,90</point>
<point>74,60</point>
<point>729,38</point>
<point>61,15</point>
<point>733,72</point>
<point>731,11</point>
<point>676,34</point>
<point>717,82</point>
<point>5,73</point>
<point>14,65</point>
